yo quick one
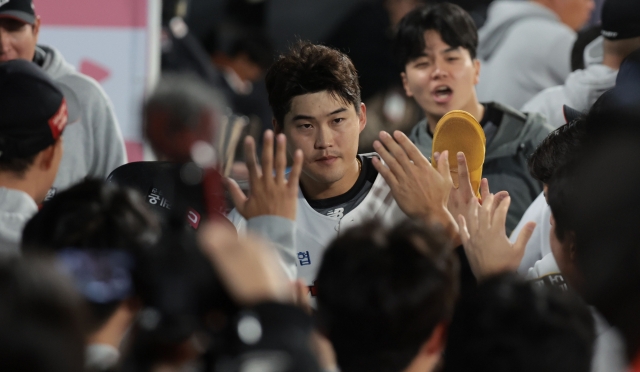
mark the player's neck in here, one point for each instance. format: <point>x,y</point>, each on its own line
<point>313,190</point>
<point>27,184</point>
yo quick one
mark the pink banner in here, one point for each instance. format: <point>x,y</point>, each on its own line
<point>95,13</point>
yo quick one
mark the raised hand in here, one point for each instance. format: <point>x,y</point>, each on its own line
<point>461,197</point>
<point>420,190</point>
<point>483,234</point>
<point>270,193</point>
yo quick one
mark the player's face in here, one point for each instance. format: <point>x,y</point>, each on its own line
<point>326,129</point>
<point>443,78</point>
<point>17,39</point>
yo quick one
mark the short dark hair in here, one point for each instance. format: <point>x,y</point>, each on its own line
<point>310,68</point>
<point>95,216</point>
<point>234,39</point>
<point>182,98</point>
<point>381,293</point>
<point>17,166</point>
<point>507,324</point>
<point>454,24</point>
<point>556,149</point>
<point>560,186</point>
<point>42,319</point>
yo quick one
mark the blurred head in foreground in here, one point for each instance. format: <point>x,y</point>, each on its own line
<point>602,209</point>
<point>509,325</point>
<point>385,297</point>
<point>41,319</point>
<point>182,111</point>
<point>97,232</point>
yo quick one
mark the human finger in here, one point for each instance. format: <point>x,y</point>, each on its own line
<point>396,150</point>
<point>388,158</point>
<point>443,166</point>
<point>464,232</point>
<point>484,189</point>
<point>281,158</point>
<point>251,160</point>
<point>523,238</point>
<point>410,148</point>
<point>267,156</point>
<point>500,215</point>
<point>237,195</point>
<point>472,216</point>
<point>464,182</point>
<point>385,172</point>
<point>484,212</point>
<point>296,170</point>
<point>497,199</point>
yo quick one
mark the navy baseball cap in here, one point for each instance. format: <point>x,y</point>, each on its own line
<point>620,19</point>
<point>22,10</point>
<point>571,114</point>
<point>34,110</point>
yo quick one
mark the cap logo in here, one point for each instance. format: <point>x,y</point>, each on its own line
<point>609,34</point>
<point>193,217</point>
<point>3,2</point>
<point>59,120</point>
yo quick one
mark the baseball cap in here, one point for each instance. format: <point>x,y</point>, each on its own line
<point>34,110</point>
<point>571,114</point>
<point>620,19</point>
<point>459,131</point>
<point>22,10</point>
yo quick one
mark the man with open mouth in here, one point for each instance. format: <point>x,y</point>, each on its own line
<point>436,46</point>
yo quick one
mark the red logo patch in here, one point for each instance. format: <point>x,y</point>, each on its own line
<point>59,120</point>
<point>193,217</point>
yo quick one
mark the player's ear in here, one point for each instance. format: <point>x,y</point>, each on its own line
<point>476,65</point>
<point>362,116</point>
<point>36,27</point>
<point>405,84</point>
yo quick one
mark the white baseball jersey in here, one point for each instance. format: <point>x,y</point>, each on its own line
<point>315,231</point>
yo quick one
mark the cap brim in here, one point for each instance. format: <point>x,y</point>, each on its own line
<point>571,114</point>
<point>459,131</point>
<point>19,15</point>
<point>73,103</point>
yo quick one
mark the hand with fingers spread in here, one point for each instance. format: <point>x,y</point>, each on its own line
<point>421,190</point>
<point>462,198</point>
<point>247,266</point>
<point>483,234</point>
<point>270,193</point>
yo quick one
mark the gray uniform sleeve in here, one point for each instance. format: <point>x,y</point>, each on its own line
<point>279,231</point>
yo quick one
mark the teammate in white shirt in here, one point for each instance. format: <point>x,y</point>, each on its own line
<point>315,97</point>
